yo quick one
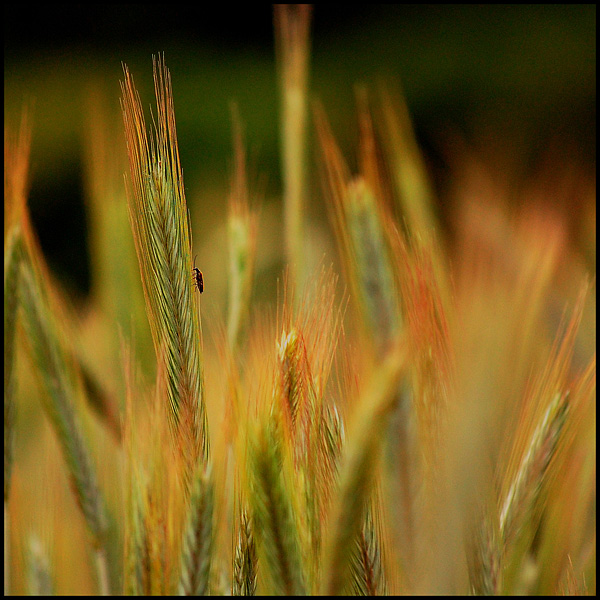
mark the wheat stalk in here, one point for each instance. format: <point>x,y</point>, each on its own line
<point>468,464</point>
<point>292,28</point>
<point>242,232</point>
<point>39,579</point>
<point>363,241</point>
<point>16,164</point>
<point>366,564</point>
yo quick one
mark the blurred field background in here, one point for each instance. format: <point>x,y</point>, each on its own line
<point>503,104</point>
<point>515,86</point>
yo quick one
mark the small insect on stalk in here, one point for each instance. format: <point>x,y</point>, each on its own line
<point>198,279</point>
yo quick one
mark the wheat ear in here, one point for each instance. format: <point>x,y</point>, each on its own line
<point>50,360</point>
<point>161,230</point>
<point>273,514</point>
<point>245,559</point>
<point>358,466</point>
<point>198,541</point>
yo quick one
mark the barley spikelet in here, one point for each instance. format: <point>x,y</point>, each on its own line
<point>245,559</point>
<point>12,269</point>
<point>311,425</point>
<point>273,516</point>
<point>359,219</point>
<point>357,471</point>
<point>160,223</point>
<point>197,550</point>
<point>427,311</point>
<point>413,190</point>
<point>502,542</point>
<point>50,360</point>
<point>16,166</point>
<point>543,417</point>
<point>366,564</point>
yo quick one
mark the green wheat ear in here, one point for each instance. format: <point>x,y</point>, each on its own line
<point>51,362</point>
<point>12,261</point>
<point>161,230</point>
<point>273,517</point>
<point>198,539</point>
<point>373,268</point>
<point>27,286</point>
<point>357,471</point>
<point>245,560</point>
<point>362,232</point>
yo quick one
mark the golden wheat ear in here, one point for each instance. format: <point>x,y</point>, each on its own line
<point>271,497</point>
<point>161,230</point>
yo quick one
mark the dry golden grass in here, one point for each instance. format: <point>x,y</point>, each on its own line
<point>421,423</point>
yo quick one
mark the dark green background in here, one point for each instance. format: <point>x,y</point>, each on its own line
<point>521,78</point>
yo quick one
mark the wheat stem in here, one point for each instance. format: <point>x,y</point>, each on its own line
<point>292,28</point>
<point>242,231</point>
<point>101,563</point>
<point>39,579</point>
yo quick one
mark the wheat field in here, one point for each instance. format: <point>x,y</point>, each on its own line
<point>415,414</point>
